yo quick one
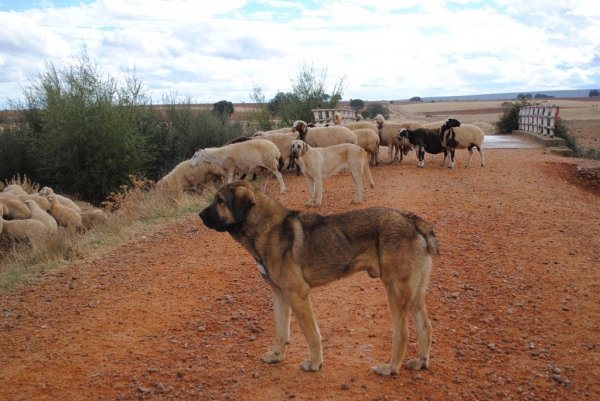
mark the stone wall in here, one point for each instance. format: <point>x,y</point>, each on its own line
<point>589,175</point>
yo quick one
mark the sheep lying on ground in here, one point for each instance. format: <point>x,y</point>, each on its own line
<point>17,209</point>
<point>185,177</point>
<point>369,141</point>
<point>21,230</point>
<point>63,200</point>
<point>388,135</point>
<point>257,155</point>
<point>425,140</point>
<point>14,189</point>
<point>90,218</point>
<point>64,215</point>
<point>41,215</point>
<point>464,137</point>
<point>42,201</point>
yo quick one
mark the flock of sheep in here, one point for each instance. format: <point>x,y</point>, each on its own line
<point>267,152</point>
<point>24,215</point>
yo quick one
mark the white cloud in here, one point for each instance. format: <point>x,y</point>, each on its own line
<point>385,49</point>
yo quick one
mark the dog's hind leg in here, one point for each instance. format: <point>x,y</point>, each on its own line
<point>398,303</point>
<point>358,185</point>
<point>424,330</point>
<point>282,326</point>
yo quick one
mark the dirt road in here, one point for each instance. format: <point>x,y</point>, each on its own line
<point>183,314</point>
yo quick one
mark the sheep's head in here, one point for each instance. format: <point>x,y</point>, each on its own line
<point>403,134</point>
<point>46,191</point>
<point>301,128</point>
<point>197,159</point>
<point>258,134</point>
<point>379,120</point>
<point>449,123</point>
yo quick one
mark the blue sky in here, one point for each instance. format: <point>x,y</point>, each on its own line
<point>384,50</point>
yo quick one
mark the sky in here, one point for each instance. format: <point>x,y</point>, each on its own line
<point>380,49</point>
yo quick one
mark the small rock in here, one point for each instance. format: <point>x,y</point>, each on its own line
<point>591,346</point>
<point>565,309</point>
<point>567,384</point>
<point>557,378</point>
<point>491,346</point>
<point>556,370</point>
<point>143,390</point>
<point>160,386</point>
<point>345,386</point>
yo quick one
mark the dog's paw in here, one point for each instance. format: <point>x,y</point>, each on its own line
<point>385,370</point>
<point>309,366</point>
<point>418,364</point>
<point>272,357</point>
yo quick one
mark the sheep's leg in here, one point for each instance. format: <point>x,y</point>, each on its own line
<point>480,154</point>
<point>470,156</point>
<point>445,156</point>
<point>230,174</point>
<point>280,179</point>
<point>390,153</point>
<point>282,310</point>
<point>452,151</point>
<point>421,157</point>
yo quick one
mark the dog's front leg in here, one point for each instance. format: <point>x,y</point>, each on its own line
<point>303,311</point>
<point>281,308</point>
<point>311,190</point>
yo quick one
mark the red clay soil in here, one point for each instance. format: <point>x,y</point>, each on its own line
<point>183,313</point>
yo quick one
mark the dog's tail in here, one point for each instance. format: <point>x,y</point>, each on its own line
<point>426,231</point>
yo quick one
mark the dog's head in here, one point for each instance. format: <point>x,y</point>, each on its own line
<point>230,207</point>
<point>299,148</point>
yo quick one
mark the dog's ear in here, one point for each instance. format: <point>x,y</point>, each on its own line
<point>304,148</point>
<point>243,200</point>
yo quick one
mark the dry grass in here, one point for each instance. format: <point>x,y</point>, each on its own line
<point>135,212</point>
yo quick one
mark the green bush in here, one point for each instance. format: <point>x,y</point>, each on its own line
<point>357,104</point>
<point>377,108</point>
<point>509,120</point>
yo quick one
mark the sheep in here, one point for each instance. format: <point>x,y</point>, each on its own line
<point>185,177</point>
<point>321,137</point>
<point>425,140</point>
<point>90,218</point>
<point>3,209</point>
<point>466,136</point>
<point>257,155</point>
<point>61,199</point>
<point>37,213</point>
<point>369,141</point>
<point>15,189</point>
<point>283,143</point>
<point>21,230</point>
<point>16,208</point>
<point>42,201</point>
<point>388,135</point>
<point>64,215</point>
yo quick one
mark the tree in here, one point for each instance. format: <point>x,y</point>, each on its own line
<point>416,99</point>
<point>524,96</point>
<point>378,108</point>
<point>357,104</point>
<point>223,108</point>
<point>279,101</point>
<point>594,93</point>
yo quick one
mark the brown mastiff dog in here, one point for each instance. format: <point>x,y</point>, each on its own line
<point>296,251</point>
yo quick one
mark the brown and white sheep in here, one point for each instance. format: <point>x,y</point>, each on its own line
<point>185,177</point>
<point>64,215</point>
<point>388,134</point>
<point>63,200</point>
<point>257,155</point>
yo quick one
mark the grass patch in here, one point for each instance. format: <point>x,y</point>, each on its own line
<point>565,131</point>
<point>132,213</point>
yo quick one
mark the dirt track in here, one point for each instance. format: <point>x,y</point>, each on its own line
<point>514,301</point>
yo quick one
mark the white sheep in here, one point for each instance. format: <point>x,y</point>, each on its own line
<point>283,141</point>
<point>15,189</point>
<point>41,215</point>
<point>42,201</point>
<point>321,137</point>
<point>466,136</point>
<point>185,177</point>
<point>388,135</point>
<point>369,141</point>
<point>257,155</point>
<point>90,218</point>
<point>21,230</point>
<point>63,200</point>
<point>17,209</point>
<point>64,215</point>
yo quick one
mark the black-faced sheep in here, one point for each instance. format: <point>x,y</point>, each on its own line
<point>257,155</point>
<point>388,134</point>
<point>63,200</point>
<point>466,136</point>
<point>185,177</point>
<point>425,140</point>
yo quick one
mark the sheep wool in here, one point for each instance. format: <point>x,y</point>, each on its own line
<point>22,230</point>
<point>90,218</point>
<point>64,215</point>
<point>368,139</point>
<point>40,215</point>
<point>17,209</point>
<point>321,137</point>
<point>466,136</point>
<point>63,200</point>
<point>185,177</point>
<point>388,135</point>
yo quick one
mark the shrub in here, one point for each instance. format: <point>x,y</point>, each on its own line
<point>415,99</point>
<point>564,130</point>
<point>357,104</point>
<point>378,108</point>
<point>509,120</point>
<point>223,108</point>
